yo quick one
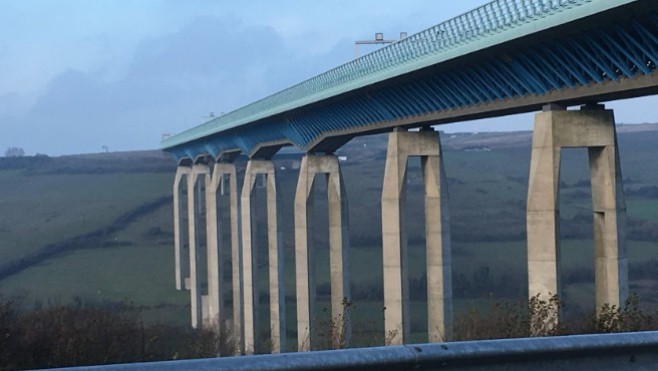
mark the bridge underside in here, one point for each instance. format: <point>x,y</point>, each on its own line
<point>576,64</point>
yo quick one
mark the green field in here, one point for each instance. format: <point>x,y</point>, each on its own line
<point>56,200</point>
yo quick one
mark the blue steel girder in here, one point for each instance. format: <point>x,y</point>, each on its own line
<point>533,64</point>
<point>470,87</point>
<point>629,52</point>
<point>456,91</point>
<point>416,105</point>
<point>435,96</point>
<point>486,83</point>
<point>585,56</point>
<point>578,60</point>
<point>431,96</point>
<point>416,90</point>
<point>289,131</point>
<point>400,98</point>
<point>363,115</point>
<point>439,89</point>
<point>643,51</point>
<point>570,69</point>
<point>510,75</point>
<point>548,64</point>
<point>388,101</point>
<point>495,70</point>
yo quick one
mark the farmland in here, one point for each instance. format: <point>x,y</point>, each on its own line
<point>98,228</point>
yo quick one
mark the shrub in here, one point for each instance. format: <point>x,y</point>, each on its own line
<point>79,335</point>
<point>625,318</point>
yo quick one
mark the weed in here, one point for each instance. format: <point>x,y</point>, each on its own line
<point>335,333</point>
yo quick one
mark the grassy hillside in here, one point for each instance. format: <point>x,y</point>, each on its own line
<point>98,228</point>
<point>77,229</point>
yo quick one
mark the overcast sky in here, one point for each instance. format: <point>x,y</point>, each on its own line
<point>77,75</point>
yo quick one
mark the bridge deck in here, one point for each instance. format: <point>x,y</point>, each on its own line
<point>506,56</point>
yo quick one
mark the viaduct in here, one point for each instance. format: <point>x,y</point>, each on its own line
<point>559,58</point>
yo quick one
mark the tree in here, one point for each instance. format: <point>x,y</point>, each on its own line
<point>14,152</point>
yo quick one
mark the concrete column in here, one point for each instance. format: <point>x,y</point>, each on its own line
<point>401,146</point>
<point>542,216</point>
<point>394,244</point>
<point>236,262</point>
<point>304,260</point>
<point>195,294</point>
<point>215,250</point>
<point>439,259</point>
<point>338,247</point>
<point>339,243</point>
<point>275,258</point>
<point>236,252</point>
<point>608,201</point>
<point>594,128</point>
<point>181,171</point>
<point>277,302</point>
<point>214,256</point>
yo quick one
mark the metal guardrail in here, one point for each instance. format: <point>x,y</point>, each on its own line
<point>481,22</point>
<point>636,351</point>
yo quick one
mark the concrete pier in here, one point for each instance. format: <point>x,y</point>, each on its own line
<point>402,145</point>
<point>592,127</point>
<point>182,173</point>
<point>214,256</point>
<point>216,250</point>
<point>312,165</point>
<point>250,261</point>
<point>193,214</point>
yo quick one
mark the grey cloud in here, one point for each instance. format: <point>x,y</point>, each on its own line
<point>172,81</point>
